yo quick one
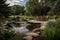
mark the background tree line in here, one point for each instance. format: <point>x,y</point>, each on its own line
<point>44,7</point>
<point>33,7</point>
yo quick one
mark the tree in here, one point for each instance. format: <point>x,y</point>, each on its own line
<point>57,8</point>
<point>37,8</point>
<point>4,9</point>
<point>17,9</point>
<point>33,7</point>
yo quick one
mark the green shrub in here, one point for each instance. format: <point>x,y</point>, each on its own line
<point>9,35</point>
<point>52,31</point>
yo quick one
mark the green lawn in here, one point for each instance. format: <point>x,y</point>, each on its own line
<point>25,17</point>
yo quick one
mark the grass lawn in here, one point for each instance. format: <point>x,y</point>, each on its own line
<point>25,17</point>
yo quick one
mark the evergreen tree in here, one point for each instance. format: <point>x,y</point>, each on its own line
<point>4,9</point>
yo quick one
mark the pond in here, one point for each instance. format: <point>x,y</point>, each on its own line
<point>22,29</point>
<point>23,26</point>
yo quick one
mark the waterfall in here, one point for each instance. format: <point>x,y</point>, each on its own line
<point>21,29</point>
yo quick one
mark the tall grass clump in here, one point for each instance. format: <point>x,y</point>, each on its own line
<point>52,31</point>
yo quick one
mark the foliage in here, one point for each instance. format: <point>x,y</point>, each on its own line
<point>52,31</point>
<point>57,8</point>
<point>16,10</point>
<point>8,35</point>
<point>35,8</point>
<point>4,9</point>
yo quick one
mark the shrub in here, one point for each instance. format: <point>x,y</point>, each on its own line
<point>9,35</point>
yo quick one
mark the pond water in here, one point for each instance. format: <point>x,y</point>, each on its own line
<point>22,29</point>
